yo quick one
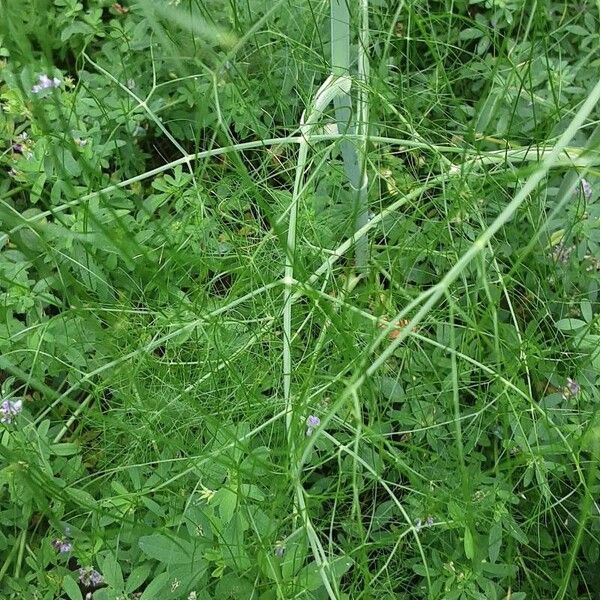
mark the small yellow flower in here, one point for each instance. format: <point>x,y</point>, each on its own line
<point>206,494</point>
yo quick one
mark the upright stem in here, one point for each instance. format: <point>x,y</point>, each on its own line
<point>340,65</point>
<point>362,215</point>
<point>334,86</point>
<point>340,37</point>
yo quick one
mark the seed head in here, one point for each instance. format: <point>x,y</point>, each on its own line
<point>561,252</point>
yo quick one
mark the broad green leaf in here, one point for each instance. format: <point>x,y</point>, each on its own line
<point>495,541</point>
<point>226,500</point>
<point>586,310</point>
<point>111,571</point>
<point>72,589</point>
<point>592,552</point>
<point>469,545</point>
<point>65,449</point>
<point>470,33</point>
<point>577,30</point>
<point>499,569</point>
<point>235,554</point>
<point>232,586</point>
<point>188,576</point>
<point>515,531</point>
<point>82,497</point>
<point>570,324</point>
<point>38,186</point>
<point>43,428</point>
<point>310,576</point>
<point>391,388</point>
<point>590,441</point>
<point>70,164</point>
<point>589,343</point>
<point>296,548</point>
<point>166,549</point>
<point>137,577</point>
<point>153,506</point>
<point>155,588</point>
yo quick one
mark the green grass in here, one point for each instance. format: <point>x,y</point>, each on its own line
<point>231,217</point>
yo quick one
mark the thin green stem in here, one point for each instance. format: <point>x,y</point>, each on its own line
<point>430,297</point>
<point>587,504</point>
<point>572,158</point>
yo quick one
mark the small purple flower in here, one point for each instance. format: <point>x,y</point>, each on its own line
<point>311,422</point>
<point>572,388</point>
<point>62,546</point>
<point>9,409</point>
<point>45,83</point>
<point>17,148</point>
<point>586,188</point>
<point>279,550</point>
<point>89,577</point>
<point>420,525</point>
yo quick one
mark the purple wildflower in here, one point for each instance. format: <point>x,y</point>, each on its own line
<point>311,422</point>
<point>420,525</point>
<point>62,546</point>
<point>279,549</point>
<point>572,388</point>
<point>17,148</point>
<point>45,83</point>
<point>89,577</point>
<point>586,188</point>
<point>9,409</point>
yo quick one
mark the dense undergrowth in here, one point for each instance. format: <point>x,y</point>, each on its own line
<point>438,434</point>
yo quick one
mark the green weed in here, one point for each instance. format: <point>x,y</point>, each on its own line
<point>299,300</point>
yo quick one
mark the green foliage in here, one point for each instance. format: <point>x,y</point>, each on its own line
<point>149,152</point>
